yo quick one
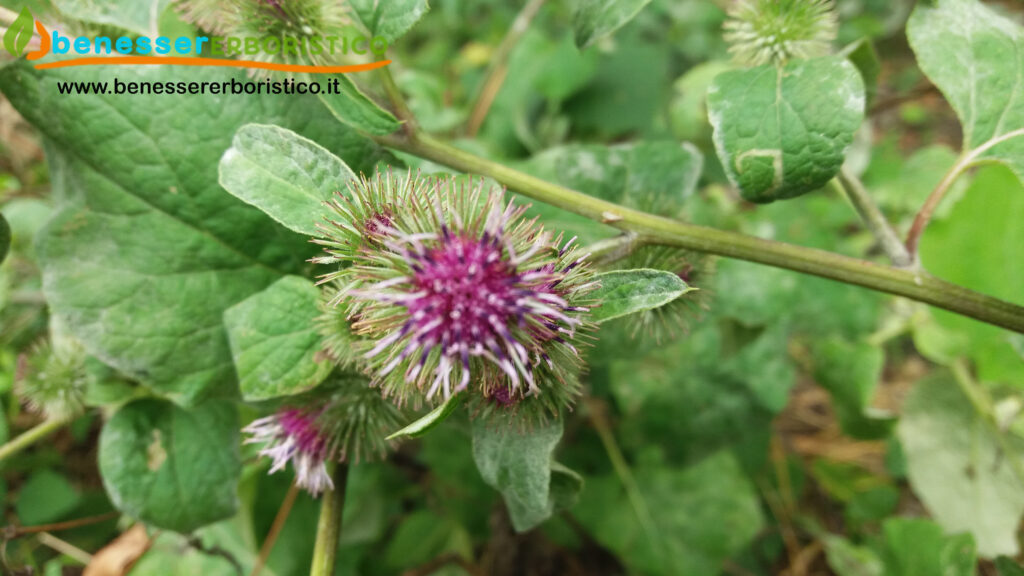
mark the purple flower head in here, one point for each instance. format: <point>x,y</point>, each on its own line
<point>294,435</point>
<point>349,421</point>
<point>462,291</point>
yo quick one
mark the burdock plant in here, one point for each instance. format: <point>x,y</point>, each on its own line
<point>450,288</point>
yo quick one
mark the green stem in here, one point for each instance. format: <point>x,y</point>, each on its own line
<point>328,529</point>
<point>864,204</point>
<point>914,284</point>
<point>397,101</point>
<point>32,436</point>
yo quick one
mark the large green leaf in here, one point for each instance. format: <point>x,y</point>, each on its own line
<point>596,19</point>
<point>389,19</point>
<point>782,132</point>
<point>146,251</point>
<point>286,176</point>
<point>960,469</point>
<point>519,465</point>
<point>625,292</point>
<point>976,58</point>
<point>273,341</point>
<point>172,468</point>
<point>699,516</point>
<point>979,246</point>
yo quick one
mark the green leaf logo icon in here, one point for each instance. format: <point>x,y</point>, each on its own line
<point>19,33</point>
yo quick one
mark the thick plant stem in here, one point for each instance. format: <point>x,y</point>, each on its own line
<point>328,529</point>
<point>498,68</point>
<point>32,436</point>
<point>873,218</point>
<point>650,229</point>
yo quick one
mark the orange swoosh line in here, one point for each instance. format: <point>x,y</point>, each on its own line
<point>44,43</point>
<point>191,61</point>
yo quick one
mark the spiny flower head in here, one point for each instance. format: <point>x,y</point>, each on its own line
<point>349,425</point>
<point>668,322</point>
<point>259,19</point>
<point>776,31</point>
<point>364,215</point>
<point>53,381</point>
<point>460,291</point>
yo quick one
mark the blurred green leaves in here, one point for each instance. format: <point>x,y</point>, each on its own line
<point>965,471</point>
<point>389,19</point>
<point>5,238</point>
<point>700,515</point>
<point>135,17</point>
<point>596,19</point>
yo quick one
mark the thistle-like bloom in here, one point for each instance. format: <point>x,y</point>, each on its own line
<point>775,31</point>
<point>456,289</point>
<point>348,425</point>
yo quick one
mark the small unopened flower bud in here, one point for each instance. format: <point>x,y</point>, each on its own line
<point>53,381</point>
<point>776,31</point>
